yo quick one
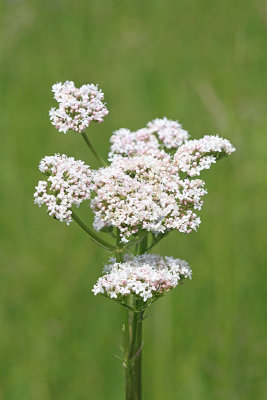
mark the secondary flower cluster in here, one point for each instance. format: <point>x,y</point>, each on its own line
<point>159,134</point>
<point>196,155</point>
<point>68,183</point>
<point>169,132</point>
<point>146,276</point>
<point>145,192</point>
<point>78,107</point>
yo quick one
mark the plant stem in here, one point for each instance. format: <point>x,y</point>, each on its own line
<point>89,144</point>
<point>132,342</point>
<point>156,241</point>
<point>138,361</point>
<point>126,332</point>
<point>136,240</point>
<point>132,334</point>
<point>143,245</point>
<point>94,237</point>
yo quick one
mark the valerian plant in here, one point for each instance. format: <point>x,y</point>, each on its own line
<point>149,187</point>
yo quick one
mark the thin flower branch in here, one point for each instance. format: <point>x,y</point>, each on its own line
<point>157,240</point>
<point>91,147</point>
<point>95,238</point>
<point>137,240</point>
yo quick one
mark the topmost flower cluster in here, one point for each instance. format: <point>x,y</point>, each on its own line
<point>78,107</point>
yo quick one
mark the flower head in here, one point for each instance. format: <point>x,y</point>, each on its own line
<point>127,143</point>
<point>146,276</point>
<point>78,107</point>
<point>169,132</point>
<point>145,192</point>
<point>196,155</point>
<point>68,183</point>
<point>158,136</point>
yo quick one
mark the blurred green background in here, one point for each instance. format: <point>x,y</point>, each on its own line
<point>201,62</point>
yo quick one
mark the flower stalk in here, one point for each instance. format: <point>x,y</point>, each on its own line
<point>95,238</point>
<point>91,147</point>
<point>132,342</point>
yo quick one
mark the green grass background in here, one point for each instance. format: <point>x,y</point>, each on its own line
<point>198,61</point>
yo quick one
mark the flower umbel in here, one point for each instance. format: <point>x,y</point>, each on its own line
<point>196,155</point>
<point>68,183</point>
<point>146,276</point>
<point>78,107</point>
<point>170,133</point>
<point>158,136</point>
<point>144,192</point>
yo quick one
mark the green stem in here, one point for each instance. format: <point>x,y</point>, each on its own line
<point>138,360</point>
<point>143,245</point>
<point>132,341</point>
<point>125,330</point>
<point>133,334</point>
<point>156,241</point>
<point>133,355</point>
<point>136,240</point>
<point>89,144</point>
<point>126,344</point>
<point>95,238</point>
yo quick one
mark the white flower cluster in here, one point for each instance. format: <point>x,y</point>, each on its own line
<point>144,187</point>
<point>169,132</point>
<point>145,192</point>
<point>158,135</point>
<point>146,276</point>
<point>68,183</point>
<point>127,143</point>
<point>196,155</point>
<point>78,107</point>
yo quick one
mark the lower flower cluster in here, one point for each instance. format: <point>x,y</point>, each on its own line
<point>147,276</point>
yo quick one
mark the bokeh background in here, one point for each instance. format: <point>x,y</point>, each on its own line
<point>201,62</point>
